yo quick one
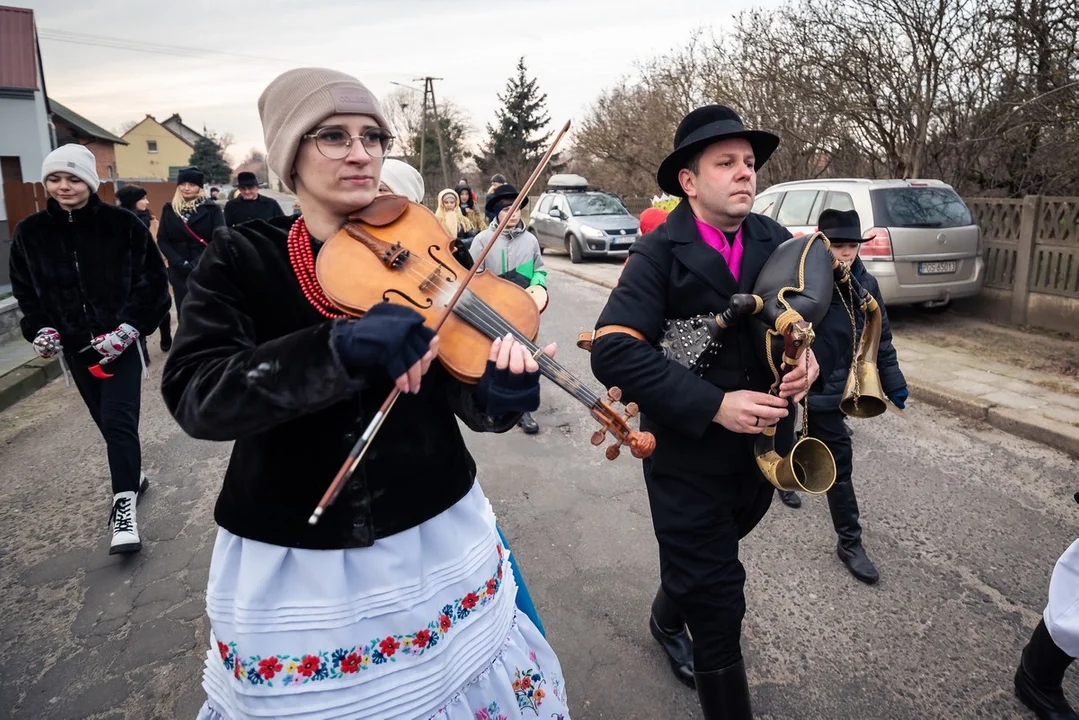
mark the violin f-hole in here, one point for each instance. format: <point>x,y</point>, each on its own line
<point>385,296</point>
<point>451,271</point>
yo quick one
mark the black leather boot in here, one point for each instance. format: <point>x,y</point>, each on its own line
<point>165,329</point>
<point>724,694</point>
<point>844,508</point>
<point>670,632</point>
<point>528,424</point>
<point>1037,680</point>
<point>790,498</point>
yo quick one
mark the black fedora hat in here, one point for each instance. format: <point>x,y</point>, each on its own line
<point>247,179</point>
<point>503,196</point>
<point>701,128</point>
<point>841,226</point>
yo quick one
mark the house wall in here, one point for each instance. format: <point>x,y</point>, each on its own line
<point>25,131</point>
<point>136,161</point>
<point>104,152</point>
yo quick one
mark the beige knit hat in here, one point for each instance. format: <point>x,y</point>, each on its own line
<point>299,99</point>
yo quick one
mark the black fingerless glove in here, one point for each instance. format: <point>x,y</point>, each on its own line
<point>501,392</point>
<point>389,336</point>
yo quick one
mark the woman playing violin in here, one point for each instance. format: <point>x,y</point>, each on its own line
<point>400,602</point>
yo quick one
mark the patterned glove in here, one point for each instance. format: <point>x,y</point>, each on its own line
<point>898,397</point>
<point>111,344</point>
<point>47,343</point>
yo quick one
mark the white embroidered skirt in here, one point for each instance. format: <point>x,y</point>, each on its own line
<point>1061,613</point>
<point>422,624</point>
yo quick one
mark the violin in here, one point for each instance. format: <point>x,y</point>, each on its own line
<point>395,250</point>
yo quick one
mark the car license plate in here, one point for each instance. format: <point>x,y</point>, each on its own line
<point>936,268</point>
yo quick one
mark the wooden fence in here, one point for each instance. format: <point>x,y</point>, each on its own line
<point>1031,251</point>
<point>24,199</point>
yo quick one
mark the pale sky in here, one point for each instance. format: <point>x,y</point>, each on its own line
<point>574,48</point>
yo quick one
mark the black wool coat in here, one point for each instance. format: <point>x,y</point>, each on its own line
<point>238,210</point>
<point>85,272</point>
<point>253,362</point>
<point>672,273</point>
<point>840,335</point>
<point>181,243</point>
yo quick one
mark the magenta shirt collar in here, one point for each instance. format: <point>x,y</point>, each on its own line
<point>731,253</point>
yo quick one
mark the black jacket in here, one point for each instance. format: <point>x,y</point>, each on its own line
<point>85,272</point>
<point>253,362</point>
<point>238,210</point>
<point>178,241</point>
<point>891,377</point>
<point>673,273</point>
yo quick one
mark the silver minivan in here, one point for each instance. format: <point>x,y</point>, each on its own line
<point>924,247</point>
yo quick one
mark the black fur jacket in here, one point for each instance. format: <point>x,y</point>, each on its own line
<point>87,271</point>
<point>183,243</point>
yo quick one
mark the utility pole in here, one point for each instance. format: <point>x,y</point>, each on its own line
<point>429,89</point>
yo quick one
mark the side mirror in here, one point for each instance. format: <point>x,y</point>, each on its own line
<point>555,213</point>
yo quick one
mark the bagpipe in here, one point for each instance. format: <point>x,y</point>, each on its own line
<point>791,295</point>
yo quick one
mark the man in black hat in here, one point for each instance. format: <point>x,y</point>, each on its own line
<point>844,230</point>
<point>515,256</point>
<point>250,205</point>
<point>703,485</point>
<point>497,181</point>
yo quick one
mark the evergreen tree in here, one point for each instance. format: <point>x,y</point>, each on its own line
<point>209,157</point>
<point>518,142</point>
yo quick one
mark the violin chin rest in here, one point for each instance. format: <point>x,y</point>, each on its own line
<point>383,210</point>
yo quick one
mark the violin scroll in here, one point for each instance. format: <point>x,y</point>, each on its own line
<point>641,444</point>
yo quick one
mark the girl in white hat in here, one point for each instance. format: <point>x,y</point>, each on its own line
<point>91,285</point>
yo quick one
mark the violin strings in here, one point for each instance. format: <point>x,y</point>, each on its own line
<point>491,323</point>
<point>491,319</point>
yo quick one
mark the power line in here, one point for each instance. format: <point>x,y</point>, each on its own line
<point>65,36</point>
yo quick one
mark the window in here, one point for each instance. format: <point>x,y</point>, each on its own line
<point>560,203</point>
<point>11,169</point>
<point>595,204</point>
<point>919,207</point>
<point>151,146</point>
<point>545,204</point>
<point>766,204</point>
<point>796,208</point>
<point>838,201</point>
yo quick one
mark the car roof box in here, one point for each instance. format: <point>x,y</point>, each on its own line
<point>567,181</point>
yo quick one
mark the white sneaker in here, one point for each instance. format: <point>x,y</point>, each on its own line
<point>125,530</point>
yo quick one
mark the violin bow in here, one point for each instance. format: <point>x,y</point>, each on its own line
<point>359,450</point>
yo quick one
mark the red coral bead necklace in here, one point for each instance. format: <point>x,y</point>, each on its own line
<point>302,259</point>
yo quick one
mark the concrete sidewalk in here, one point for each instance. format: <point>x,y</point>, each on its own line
<point>22,372</point>
<point>1038,406</point>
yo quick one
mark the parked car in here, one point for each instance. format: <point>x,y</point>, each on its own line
<point>924,246</point>
<point>582,221</point>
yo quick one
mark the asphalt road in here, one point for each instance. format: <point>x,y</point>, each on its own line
<point>964,522</point>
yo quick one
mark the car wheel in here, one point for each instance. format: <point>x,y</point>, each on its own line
<point>574,247</point>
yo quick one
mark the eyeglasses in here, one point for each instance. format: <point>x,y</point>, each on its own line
<point>335,143</point>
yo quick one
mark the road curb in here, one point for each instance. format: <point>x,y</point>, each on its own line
<point>27,379</point>
<point>1020,423</point>
<point>583,276</point>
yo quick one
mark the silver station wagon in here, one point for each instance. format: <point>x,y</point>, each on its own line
<point>923,246</point>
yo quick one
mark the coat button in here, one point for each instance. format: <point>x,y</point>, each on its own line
<point>350,438</point>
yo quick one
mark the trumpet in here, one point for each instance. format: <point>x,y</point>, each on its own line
<point>863,396</point>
